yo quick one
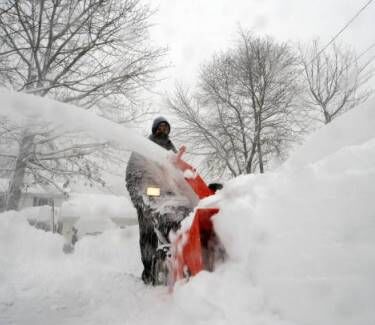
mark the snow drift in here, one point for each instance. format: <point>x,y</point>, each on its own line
<point>307,236</point>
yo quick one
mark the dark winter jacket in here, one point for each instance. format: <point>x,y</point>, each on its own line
<point>140,174</point>
<point>164,142</point>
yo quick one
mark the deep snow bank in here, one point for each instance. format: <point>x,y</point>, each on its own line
<point>353,128</point>
<point>305,235</point>
<point>39,284</point>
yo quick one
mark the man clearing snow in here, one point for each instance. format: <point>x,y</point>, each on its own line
<point>154,198</point>
<point>160,134</point>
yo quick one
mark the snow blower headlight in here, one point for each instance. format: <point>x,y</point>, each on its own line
<point>153,191</point>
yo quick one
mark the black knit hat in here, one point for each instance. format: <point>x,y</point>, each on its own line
<point>157,122</point>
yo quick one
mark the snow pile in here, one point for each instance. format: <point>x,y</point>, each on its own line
<point>305,235</point>
<point>39,284</point>
<point>351,129</point>
<point>301,245</point>
<point>98,212</point>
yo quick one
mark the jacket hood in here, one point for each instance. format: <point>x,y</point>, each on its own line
<point>156,123</point>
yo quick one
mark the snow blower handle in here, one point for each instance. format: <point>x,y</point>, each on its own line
<point>180,152</point>
<point>177,158</point>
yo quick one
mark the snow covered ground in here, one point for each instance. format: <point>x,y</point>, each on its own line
<point>301,245</point>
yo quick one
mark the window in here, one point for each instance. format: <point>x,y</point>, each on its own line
<point>39,201</point>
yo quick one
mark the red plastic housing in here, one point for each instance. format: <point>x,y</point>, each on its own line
<point>194,255</point>
<point>191,249</point>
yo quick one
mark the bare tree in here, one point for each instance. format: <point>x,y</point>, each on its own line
<point>335,80</point>
<point>93,53</point>
<point>241,117</point>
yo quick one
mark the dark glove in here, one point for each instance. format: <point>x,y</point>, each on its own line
<point>215,186</point>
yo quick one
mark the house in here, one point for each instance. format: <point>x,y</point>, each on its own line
<point>34,195</point>
<point>38,195</point>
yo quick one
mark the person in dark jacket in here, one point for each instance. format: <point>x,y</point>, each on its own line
<point>141,173</point>
<point>160,133</point>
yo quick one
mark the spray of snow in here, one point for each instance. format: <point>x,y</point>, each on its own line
<point>30,110</point>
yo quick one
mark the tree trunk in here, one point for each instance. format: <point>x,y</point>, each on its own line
<point>258,144</point>
<point>17,180</point>
<point>327,117</point>
<point>249,164</point>
<point>260,156</point>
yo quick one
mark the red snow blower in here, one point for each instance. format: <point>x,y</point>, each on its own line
<point>198,248</point>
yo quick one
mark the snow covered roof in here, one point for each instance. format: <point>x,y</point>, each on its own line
<point>41,189</point>
<point>34,188</point>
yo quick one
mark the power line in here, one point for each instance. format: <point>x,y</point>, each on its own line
<point>365,51</point>
<point>342,29</point>
<point>337,35</point>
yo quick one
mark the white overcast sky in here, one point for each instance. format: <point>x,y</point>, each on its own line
<point>194,29</point>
